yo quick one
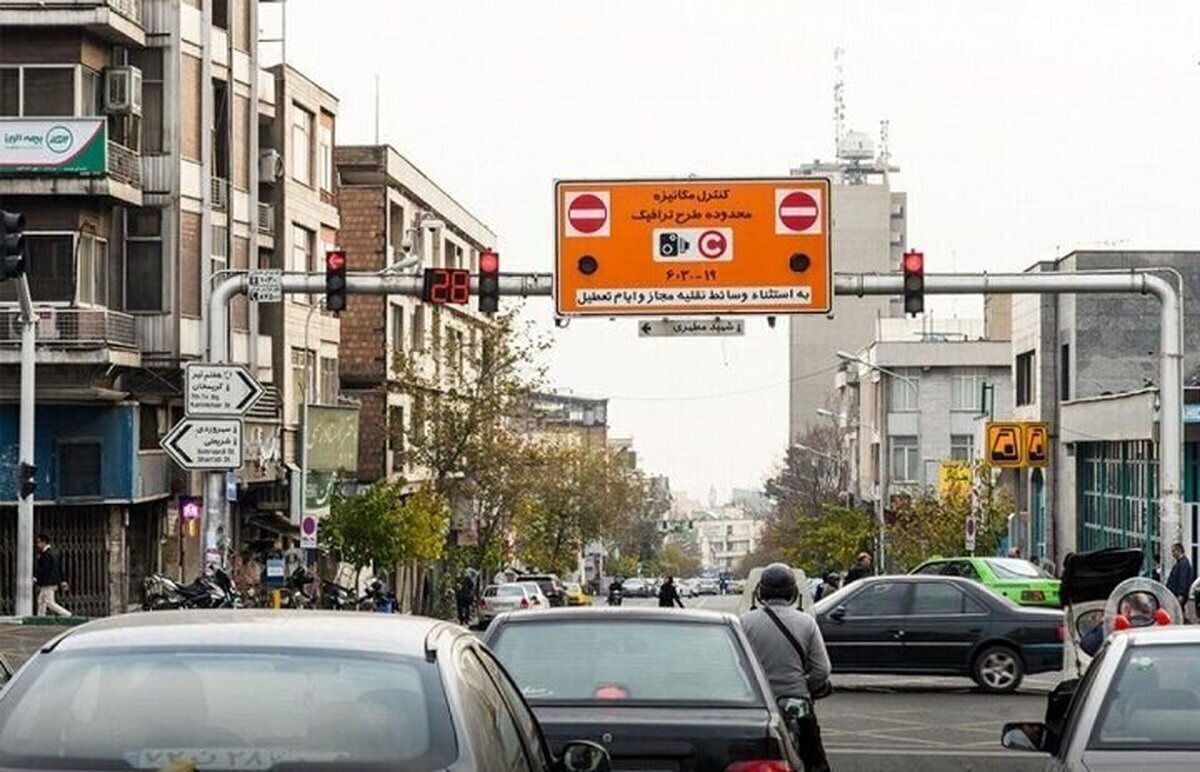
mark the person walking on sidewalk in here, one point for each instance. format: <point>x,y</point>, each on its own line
<point>48,577</point>
<point>668,596</point>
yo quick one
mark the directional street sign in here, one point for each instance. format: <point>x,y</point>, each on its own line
<point>700,247</point>
<point>691,328</point>
<point>219,390</point>
<point>1005,444</point>
<point>265,286</point>
<point>1037,443</point>
<point>205,443</point>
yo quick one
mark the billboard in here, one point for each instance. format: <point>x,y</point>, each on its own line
<point>54,146</point>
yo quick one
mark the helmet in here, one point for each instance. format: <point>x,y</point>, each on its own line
<point>777,583</point>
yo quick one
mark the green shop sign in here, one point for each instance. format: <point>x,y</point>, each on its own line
<point>53,146</point>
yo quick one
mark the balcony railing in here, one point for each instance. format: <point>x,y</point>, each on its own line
<point>266,219</point>
<point>73,328</point>
<point>220,194</point>
<point>130,9</point>
<point>124,165</point>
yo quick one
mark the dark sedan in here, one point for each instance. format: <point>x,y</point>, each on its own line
<point>661,689</point>
<point>938,625</point>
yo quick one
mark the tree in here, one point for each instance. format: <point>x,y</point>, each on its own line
<point>811,473</point>
<point>934,522</point>
<point>675,560</point>
<point>382,527</point>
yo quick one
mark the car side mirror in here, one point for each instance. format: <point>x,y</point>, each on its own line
<point>1024,736</point>
<point>584,756</point>
<point>838,614</point>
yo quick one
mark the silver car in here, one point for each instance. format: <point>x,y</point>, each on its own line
<point>498,598</point>
<point>1136,707</point>
<point>264,690</point>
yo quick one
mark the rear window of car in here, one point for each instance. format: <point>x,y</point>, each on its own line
<point>637,661</point>
<point>243,709</point>
<point>1012,568</point>
<point>510,591</point>
<point>1153,701</point>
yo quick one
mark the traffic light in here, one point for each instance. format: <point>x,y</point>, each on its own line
<point>12,245</point>
<point>489,282</point>
<point>914,282</point>
<point>26,479</point>
<point>335,280</point>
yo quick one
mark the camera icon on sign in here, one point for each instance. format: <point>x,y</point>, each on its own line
<point>672,245</point>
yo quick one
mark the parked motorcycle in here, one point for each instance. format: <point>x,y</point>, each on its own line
<point>378,599</point>
<point>336,597</point>
<point>210,591</point>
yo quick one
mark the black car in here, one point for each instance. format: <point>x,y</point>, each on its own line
<point>551,587</point>
<point>366,692</point>
<point>660,688</point>
<point>938,625</point>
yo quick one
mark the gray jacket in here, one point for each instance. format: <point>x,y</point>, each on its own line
<point>778,658</point>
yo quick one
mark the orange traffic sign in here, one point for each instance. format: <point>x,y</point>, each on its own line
<point>1005,444</point>
<point>1037,444</point>
<point>711,246</point>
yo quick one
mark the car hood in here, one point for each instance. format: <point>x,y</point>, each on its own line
<point>1092,576</point>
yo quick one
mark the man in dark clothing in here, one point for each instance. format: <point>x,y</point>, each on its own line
<point>668,596</point>
<point>1180,580</point>
<point>465,597</point>
<point>47,576</point>
<point>860,570</point>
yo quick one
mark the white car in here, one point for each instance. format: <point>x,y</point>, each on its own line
<point>540,601</point>
<point>1136,707</point>
<point>498,598</point>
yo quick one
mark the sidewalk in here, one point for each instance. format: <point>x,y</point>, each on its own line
<point>20,638</point>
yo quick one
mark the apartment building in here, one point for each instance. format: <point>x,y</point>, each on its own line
<point>390,212</point>
<point>566,418</point>
<point>726,536</point>
<point>133,132</point>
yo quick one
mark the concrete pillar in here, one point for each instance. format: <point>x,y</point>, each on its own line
<point>118,559</point>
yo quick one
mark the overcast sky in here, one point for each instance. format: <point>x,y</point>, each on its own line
<point>1023,129</point>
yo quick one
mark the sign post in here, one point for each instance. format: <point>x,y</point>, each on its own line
<point>265,286</point>
<point>712,247</point>
<point>206,443</point>
<point>219,390</point>
<point>691,328</point>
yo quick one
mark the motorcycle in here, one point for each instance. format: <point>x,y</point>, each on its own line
<point>378,599</point>
<point>335,597</point>
<point>615,596</point>
<point>207,592</point>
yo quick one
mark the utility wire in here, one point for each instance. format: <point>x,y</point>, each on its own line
<point>734,393</point>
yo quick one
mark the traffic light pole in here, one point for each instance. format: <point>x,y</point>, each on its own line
<point>24,584</point>
<point>1170,466</point>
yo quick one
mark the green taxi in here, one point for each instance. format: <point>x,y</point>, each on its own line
<point>1018,580</point>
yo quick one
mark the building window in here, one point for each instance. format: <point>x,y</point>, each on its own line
<point>150,62</point>
<point>396,436</point>
<point>78,469</point>
<point>302,256</point>
<point>1065,371</point>
<point>50,261</point>
<point>328,391</point>
<point>418,329</point>
<point>42,91</point>
<point>148,431</point>
<point>906,461</point>
<point>962,447</point>
<point>455,352</point>
<point>454,255</point>
<point>92,276</point>
<point>397,328</point>
<point>1025,378</point>
<point>905,392</point>
<point>965,389</point>
<point>325,158</point>
<point>302,148</point>
<point>143,260</point>
<point>303,377</point>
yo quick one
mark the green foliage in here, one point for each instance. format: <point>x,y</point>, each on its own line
<point>675,560</point>
<point>382,526</point>
<point>831,540</point>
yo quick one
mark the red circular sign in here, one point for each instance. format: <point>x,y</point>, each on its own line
<point>712,244</point>
<point>587,213</point>
<point>798,211</point>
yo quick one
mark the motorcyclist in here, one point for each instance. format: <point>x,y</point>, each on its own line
<point>615,591</point>
<point>790,648</point>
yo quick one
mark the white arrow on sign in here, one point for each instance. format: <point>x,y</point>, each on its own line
<point>688,328</point>
<point>205,443</point>
<point>221,390</point>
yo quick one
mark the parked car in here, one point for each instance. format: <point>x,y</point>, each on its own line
<point>536,596</point>
<point>635,587</point>
<point>1137,707</point>
<point>550,586</point>
<point>1018,580</point>
<point>576,595</point>
<point>708,587</point>
<point>687,588</point>
<point>1088,579</point>
<point>664,689</point>
<point>938,625</point>
<point>380,692</point>
<point>498,598</point>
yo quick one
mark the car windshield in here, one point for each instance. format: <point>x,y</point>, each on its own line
<point>232,710</point>
<point>1015,568</point>
<point>634,660</point>
<point>1153,701</point>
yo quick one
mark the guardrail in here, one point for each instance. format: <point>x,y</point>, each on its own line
<point>124,165</point>
<point>130,9</point>
<point>73,328</point>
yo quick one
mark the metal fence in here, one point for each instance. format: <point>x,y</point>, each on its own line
<point>124,165</point>
<point>73,327</point>
<point>78,535</point>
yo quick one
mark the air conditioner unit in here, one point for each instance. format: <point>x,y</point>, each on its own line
<point>123,91</point>
<point>270,165</point>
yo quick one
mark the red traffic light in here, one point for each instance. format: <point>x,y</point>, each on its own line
<point>335,260</point>
<point>489,262</point>
<point>914,262</point>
